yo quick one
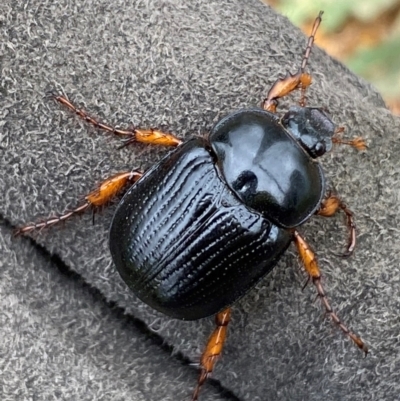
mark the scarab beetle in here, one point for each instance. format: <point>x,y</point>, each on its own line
<point>198,230</point>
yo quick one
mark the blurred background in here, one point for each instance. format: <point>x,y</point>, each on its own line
<point>363,34</point>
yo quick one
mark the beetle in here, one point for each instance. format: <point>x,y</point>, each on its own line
<point>199,229</point>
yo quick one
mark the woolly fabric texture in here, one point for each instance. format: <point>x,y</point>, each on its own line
<point>70,329</point>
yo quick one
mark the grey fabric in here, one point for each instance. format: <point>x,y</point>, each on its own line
<point>70,328</point>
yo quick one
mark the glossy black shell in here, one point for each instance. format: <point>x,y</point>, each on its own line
<point>185,243</point>
<point>267,168</point>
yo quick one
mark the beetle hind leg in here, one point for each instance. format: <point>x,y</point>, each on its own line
<point>310,263</point>
<point>102,195</point>
<point>213,349</point>
<point>149,136</point>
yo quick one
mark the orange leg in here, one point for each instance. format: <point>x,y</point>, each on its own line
<point>106,191</point>
<point>213,349</point>
<point>330,206</point>
<point>284,86</point>
<point>291,82</point>
<point>151,136</point>
<point>357,142</point>
<point>311,266</point>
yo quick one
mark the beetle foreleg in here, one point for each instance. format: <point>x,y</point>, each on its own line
<point>310,264</point>
<point>329,206</point>
<point>291,82</point>
<point>151,136</point>
<point>105,192</point>
<point>283,86</point>
<point>213,349</point>
<point>357,142</point>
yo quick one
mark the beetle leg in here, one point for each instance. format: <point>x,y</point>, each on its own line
<point>330,206</point>
<point>311,266</point>
<point>105,192</point>
<point>150,136</point>
<point>284,86</point>
<point>213,349</point>
<point>301,80</point>
<point>357,142</point>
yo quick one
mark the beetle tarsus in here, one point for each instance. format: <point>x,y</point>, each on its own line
<point>200,381</point>
<point>310,42</point>
<point>51,221</point>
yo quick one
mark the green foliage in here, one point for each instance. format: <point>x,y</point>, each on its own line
<point>380,65</point>
<point>336,12</point>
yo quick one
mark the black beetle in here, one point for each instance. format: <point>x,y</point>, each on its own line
<point>198,230</point>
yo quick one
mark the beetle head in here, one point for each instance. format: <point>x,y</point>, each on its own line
<point>311,127</point>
